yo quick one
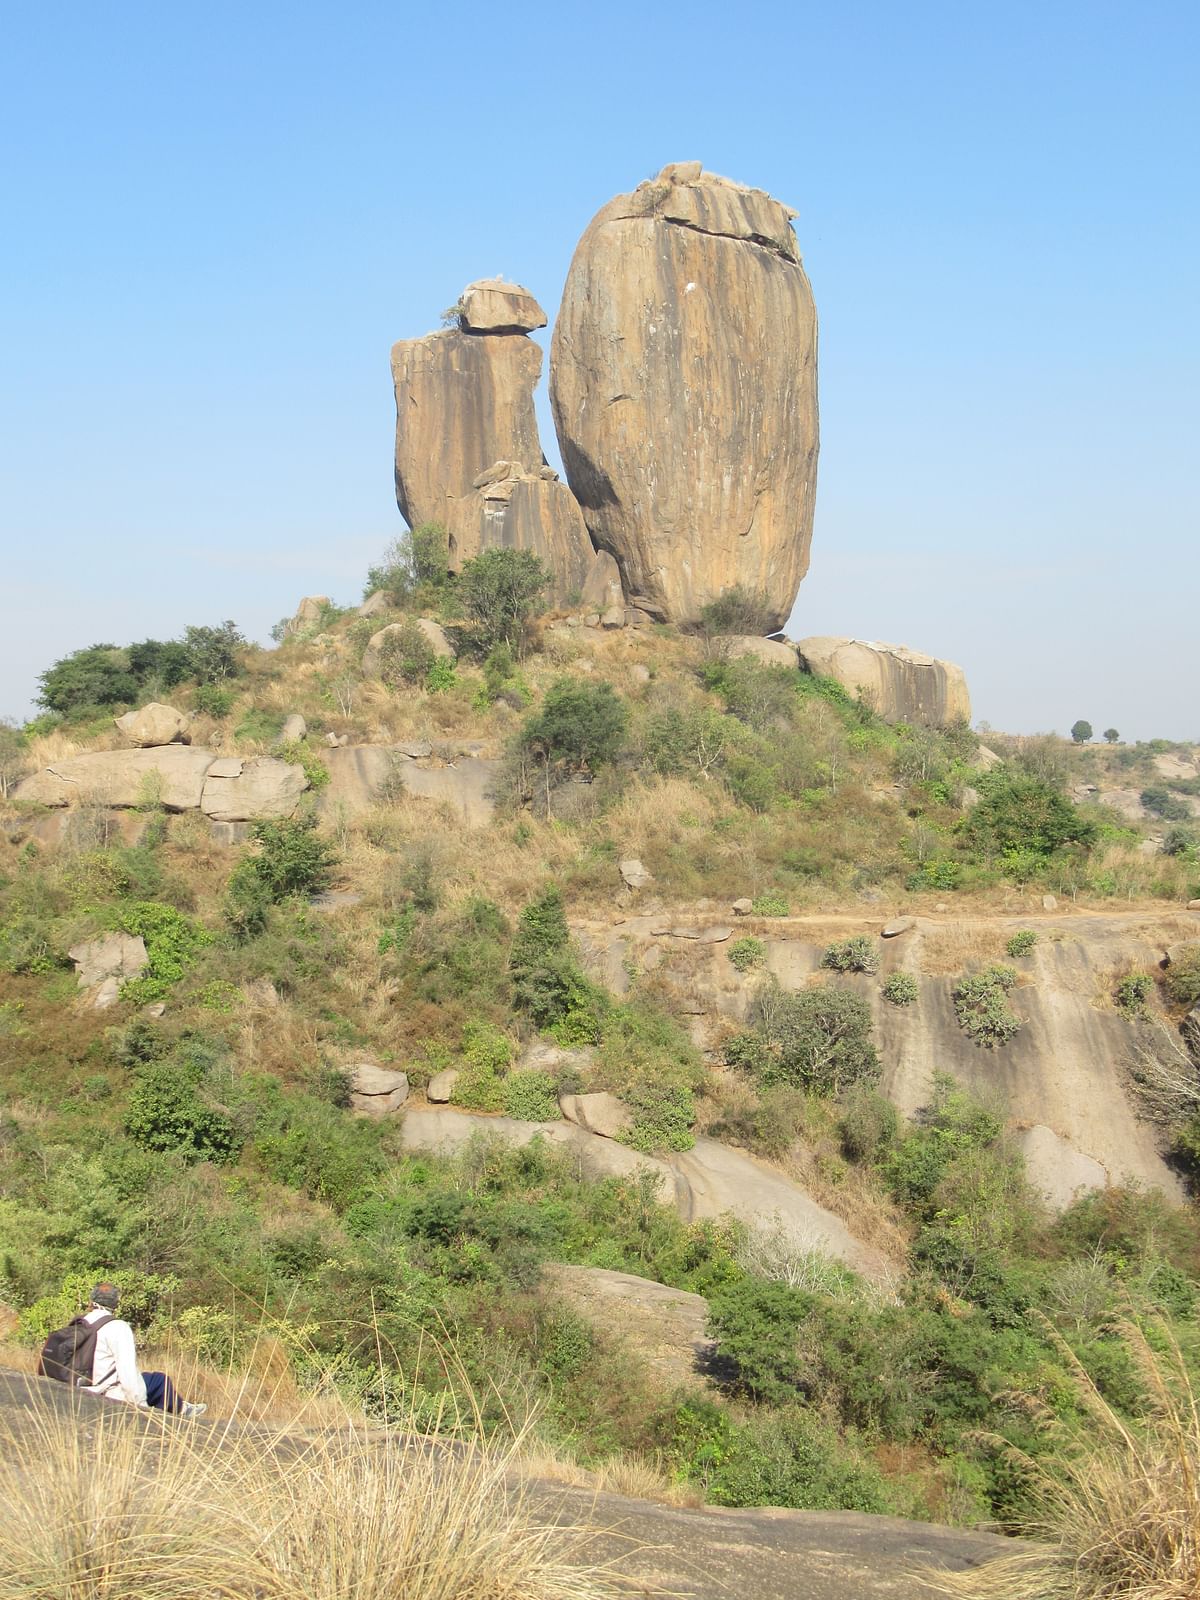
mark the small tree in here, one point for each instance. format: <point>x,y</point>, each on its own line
<point>1111,736</point>
<point>500,590</point>
<point>212,652</point>
<point>1081,731</point>
<point>99,675</point>
<point>416,559</point>
<point>817,1039</point>
<point>12,756</point>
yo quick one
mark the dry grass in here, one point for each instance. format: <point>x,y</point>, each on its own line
<point>632,1476</point>
<point>1118,1501</point>
<point>117,1505</point>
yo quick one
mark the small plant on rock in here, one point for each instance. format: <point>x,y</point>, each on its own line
<point>746,954</point>
<point>982,1008</point>
<point>1021,943</point>
<point>901,989</point>
<point>1132,992</point>
<point>852,955</point>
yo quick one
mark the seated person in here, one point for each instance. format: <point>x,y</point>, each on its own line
<point>115,1372</point>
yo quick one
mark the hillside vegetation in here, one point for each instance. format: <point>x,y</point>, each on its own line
<point>196,1140</point>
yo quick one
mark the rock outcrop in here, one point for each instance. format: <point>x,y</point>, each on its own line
<point>464,399</point>
<point>154,725</point>
<point>516,509</point>
<point>176,777</point>
<point>902,685</point>
<point>492,306</point>
<point>307,615</point>
<point>240,791</point>
<point>684,387</point>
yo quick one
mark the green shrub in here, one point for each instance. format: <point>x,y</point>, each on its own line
<point>1162,803</point>
<point>100,675</point>
<point>548,982</point>
<point>579,726</point>
<point>756,1326</point>
<point>817,1039</point>
<point>737,611</point>
<point>414,560</point>
<point>1021,942</point>
<point>500,590</point>
<point>868,1125</point>
<point>1020,814</point>
<point>299,753</point>
<point>982,1008</point>
<point>213,700</point>
<point>406,656</point>
<point>532,1096</point>
<point>746,954</point>
<point>939,874</point>
<point>172,1109</point>
<point>292,859</point>
<point>259,726</point>
<point>663,1114</point>
<point>770,905</point>
<point>1132,992</point>
<point>172,941</point>
<point>901,989</point>
<point>145,1301</point>
<point>852,955</point>
<point>213,652</point>
<point>441,676</point>
<point>1182,981</point>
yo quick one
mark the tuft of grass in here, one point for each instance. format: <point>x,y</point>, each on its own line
<point>112,1504</point>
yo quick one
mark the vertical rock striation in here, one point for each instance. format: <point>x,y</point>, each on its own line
<point>683,379</point>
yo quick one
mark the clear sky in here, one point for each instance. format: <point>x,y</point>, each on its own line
<point>218,217</point>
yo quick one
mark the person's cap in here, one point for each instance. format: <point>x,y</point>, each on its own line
<point>106,1295</point>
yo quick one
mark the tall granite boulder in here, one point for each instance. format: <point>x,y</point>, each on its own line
<point>683,378</point>
<point>464,399</point>
<point>514,509</point>
<point>902,685</point>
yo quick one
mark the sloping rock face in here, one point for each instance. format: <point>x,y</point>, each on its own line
<point>172,776</point>
<point>683,377</point>
<point>526,511</point>
<point>463,400</point>
<point>262,787</point>
<point>902,685</point>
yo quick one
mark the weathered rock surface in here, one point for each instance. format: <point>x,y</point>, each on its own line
<point>602,587</point>
<point>463,401</point>
<point>902,685</point>
<point>114,955</point>
<point>598,1113</point>
<point>154,725</point>
<point>665,1327</point>
<point>264,787</point>
<point>435,637</point>
<point>172,776</point>
<point>525,511</point>
<point>684,386</point>
<point>1056,1168</point>
<point>634,874</point>
<point>294,727</point>
<point>490,305</point>
<point>308,615</point>
<point>771,652</point>
<point>359,775</point>
<point>893,929</point>
<point>377,1090</point>
<point>440,1088</point>
<point>377,602</point>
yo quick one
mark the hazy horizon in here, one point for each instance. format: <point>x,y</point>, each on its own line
<point>220,223</point>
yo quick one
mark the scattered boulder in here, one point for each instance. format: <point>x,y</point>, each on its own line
<point>525,511</point>
<point>492,306</point>
<point>598,1113</point>
<point>771,652</point>
<point>1049,903</point>
<point>308,615</point>
<point>1180,952</point>
<point>294,727</point>
<point>1193,905</point>
<point>376,1090</point>
<point>639,673</point>
<point>900,684</point>
<point>893,930</point>
<point>602,586</point>
<point>463,400</point>
<point>114,955</point>
<point>634,874</point>
<point>743,907</point>
<point>689,275</point>
<point>432,632</point>
<point>376,602</point>
<point>169,775</point>
<point>264,787</point>
<point>666,1327</point>
<point>986,759</point>
<point>440,1088</point>
<point>614,617</point>
<point>154,725</point>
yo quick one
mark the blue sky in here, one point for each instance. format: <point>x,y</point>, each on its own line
<point>219,217</point>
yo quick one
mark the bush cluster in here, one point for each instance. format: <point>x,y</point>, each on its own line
<point>982,1008</point>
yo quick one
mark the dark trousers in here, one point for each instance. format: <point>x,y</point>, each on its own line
<point>160,1392</point>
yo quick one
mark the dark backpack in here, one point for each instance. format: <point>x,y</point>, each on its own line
<point>69,1352</point>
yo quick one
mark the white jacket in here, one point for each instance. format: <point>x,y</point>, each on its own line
<point>115,1372</point>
